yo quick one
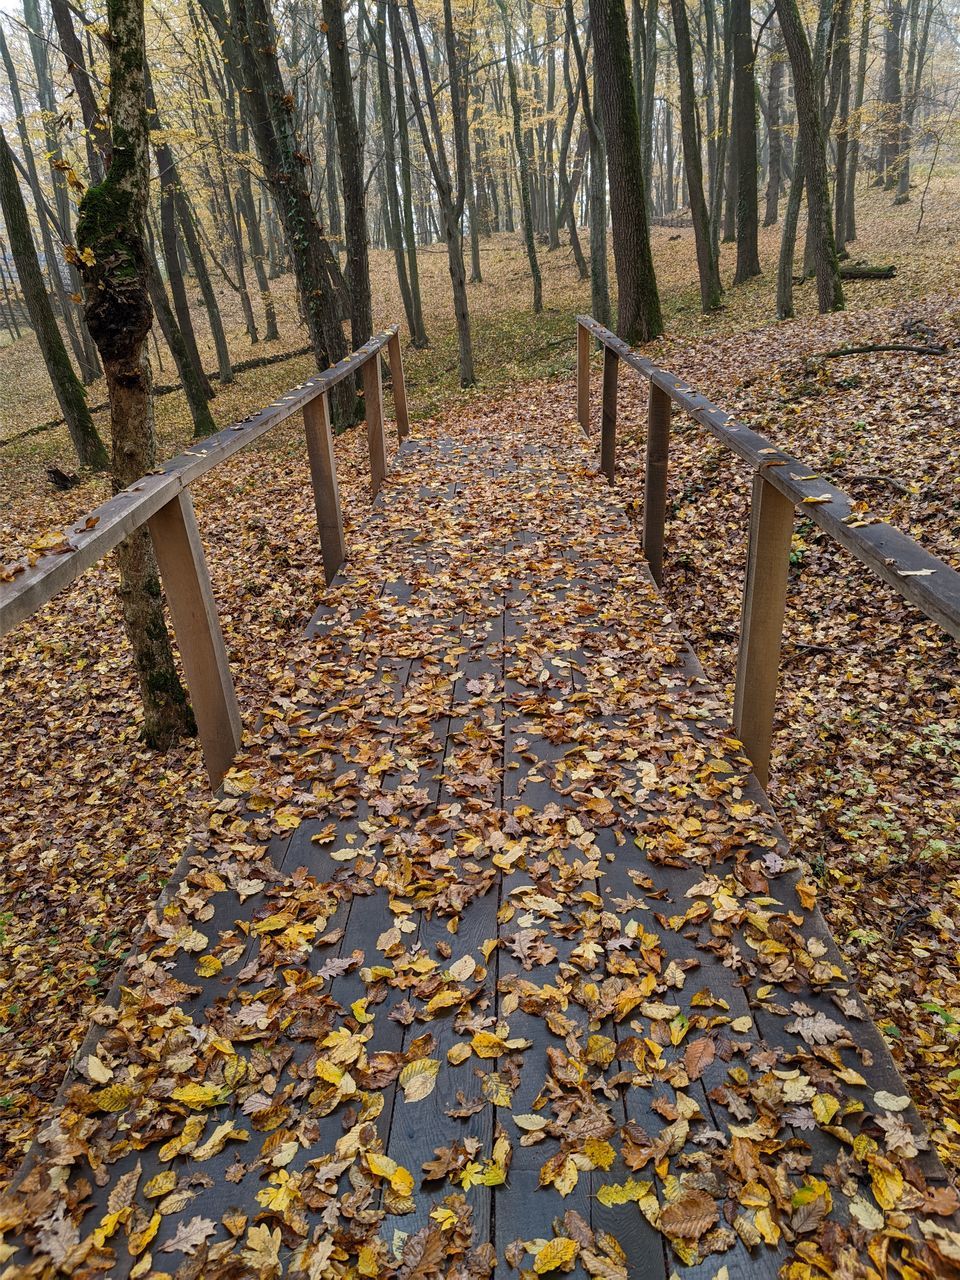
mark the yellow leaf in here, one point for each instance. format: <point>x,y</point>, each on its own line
<point>140,1239</point>
<point>115,1097</point>
<point>458,1053</point>
<point>486,1045</point>
<point>207,966</point>
<point>160,1185</point>
<point>600,1154</point>
<point>763,1220</point>
<point>400,1179</point>
<point>201,1095</point>
<point>557,1254</point>
<point>417,1079</point>
<point>530,1123</point>
<point>617,1193</point>
<point>807,893</point>
<point>825,1106</point>
<point>887,1183</point>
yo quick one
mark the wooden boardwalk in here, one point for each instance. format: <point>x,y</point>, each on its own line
<point>492,958</point>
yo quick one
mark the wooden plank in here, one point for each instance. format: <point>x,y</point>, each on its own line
<point>186,582</point>
<point>608,420</point>
<point>326,491</point>
<point>583,378</point>
<point>926,581</point>
<point>761,622</point>
<point>98,533</point>
<point>395,357</point>
<point>659,408</point>
<point>373,407</point>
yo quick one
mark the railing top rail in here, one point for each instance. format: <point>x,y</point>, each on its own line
<point>925,580</point>
<point>93,536</point>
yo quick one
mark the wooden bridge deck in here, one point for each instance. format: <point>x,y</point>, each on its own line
<point>492,941</point>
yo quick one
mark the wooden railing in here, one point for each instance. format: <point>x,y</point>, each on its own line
<point>781,485</point>
<point>162,501</point>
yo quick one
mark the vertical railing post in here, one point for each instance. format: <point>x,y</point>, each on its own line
<point>326,491</point>
<point>395,357</point>
<point>608,419</point>
<point>761,624</point>
<point>186,583</point>
<point>583,377</point>
<point>373,402</point>
<point>659,409</point>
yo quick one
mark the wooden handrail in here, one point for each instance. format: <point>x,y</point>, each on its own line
<point>921,578</point>
<point>162,501</point>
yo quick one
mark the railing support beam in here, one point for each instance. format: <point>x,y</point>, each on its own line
<point>326,491</point>
<point>583,378</point>
<point>659,408</point>
<point>761,625</point>
<point>373,404</point>
<point>395,357</point>
<point>608,420</point>
<point>186,583</point>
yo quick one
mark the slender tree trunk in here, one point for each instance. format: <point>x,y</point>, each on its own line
<point>649,89</point>
<point>842,51</point>
<point>597,196</point>
<point>890,95</point>
<point>351,173</point>
<point>915,64</point>
<point>827,268</point>
<point>112,226</point>
<point>711,290</point>
<point>523,164</point>
<point>70,394</point>
<point>418,333</point>
<point>745,143</point>
<point>10,296</point>
<point>84,347</point>
<point>193,388</point>
<point>850,226</point>
<point>451,204</point>
<point>774,178</point>
<point>638,302</point>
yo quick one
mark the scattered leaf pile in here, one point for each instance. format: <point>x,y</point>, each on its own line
<point>490,951</point>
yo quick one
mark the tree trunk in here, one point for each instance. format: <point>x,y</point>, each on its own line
<point>193,389</point>
<point>745,143</point>
<point>418,333</point>
<point>827,268</point>
<point>711,290</point>
<point>850,225</point>
<point>522,163</point>
<point>70,394</point>
<point>112,227</point>
<point>451,204</point>
<point>252,51</point>
<point>774,177</point>
<point>351,174</point>
<point>638,302</point>
<point>890,95</point>
<point>597,196</point>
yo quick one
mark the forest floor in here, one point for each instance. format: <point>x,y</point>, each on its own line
<point>864,773</point>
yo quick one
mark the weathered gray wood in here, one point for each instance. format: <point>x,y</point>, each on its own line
<point>923,579</point>
<point>761,622</point>
<point>373,407</point>
<point>107,525</point>
<point>659,408</point>
<point>608,420</point>
<point>583,378</point>
<point>326,491</point>
<point>186,582</point>
<point>395,357</point>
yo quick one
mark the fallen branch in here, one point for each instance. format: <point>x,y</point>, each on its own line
<point>861,271</point>
<point>881,346</point>
<point>894,484</point>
